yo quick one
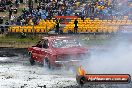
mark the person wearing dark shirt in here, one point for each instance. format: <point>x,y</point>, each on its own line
<point>57,26</point>
<point>10,13</point>
<point>76,26</point>
<point>36,1</point>
<point>2,29</point>
<point>82,17</point>
<point>6,25</point>
<point>21,1</point>
<point>17,3</point>
<point>1,20</point>
<point>23,35</point>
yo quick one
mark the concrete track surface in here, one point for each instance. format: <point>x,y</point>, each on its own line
<point>16,72</point>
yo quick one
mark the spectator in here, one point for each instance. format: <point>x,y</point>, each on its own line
<point>23,35</point>
<point>9,2</point>
<point>21,1</point>
<point>12,19</point>
<point>76,26</point>
<point>6,25</point>
<point>46,9</point>
<point>57,26</point>
<point>2,29</point>
<point>14,10</point>
<point>10,12</point>
<point>17,3</point>
<point>82,17</point>
<point>1,20</point>
<point>36,1</point>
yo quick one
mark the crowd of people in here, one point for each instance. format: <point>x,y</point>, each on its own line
<point>47,9</point>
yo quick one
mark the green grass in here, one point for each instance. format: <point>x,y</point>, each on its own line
<point>34,39</point>
<point>17,39</point>
<point>96,41</point>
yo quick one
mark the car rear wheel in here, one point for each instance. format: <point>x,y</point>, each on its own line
<point>32,62</point>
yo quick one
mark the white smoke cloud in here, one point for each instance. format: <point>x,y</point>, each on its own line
<point>116,60</point>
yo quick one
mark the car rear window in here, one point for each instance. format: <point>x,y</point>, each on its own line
<point>65,43</point>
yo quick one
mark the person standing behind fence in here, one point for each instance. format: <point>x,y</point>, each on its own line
<point>57,26</point>
<point>6,26</point>
<point>1,20</point>
<point>76,26</point>
<point>10,11</point>
<point>2,29</point>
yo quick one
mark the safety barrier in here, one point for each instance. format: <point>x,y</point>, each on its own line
<point>84,26</point>
<point>96,25</point>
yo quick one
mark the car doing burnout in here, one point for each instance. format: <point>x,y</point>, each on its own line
<point>54,51</point>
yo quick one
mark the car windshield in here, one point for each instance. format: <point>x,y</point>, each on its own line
<point>65,43</point>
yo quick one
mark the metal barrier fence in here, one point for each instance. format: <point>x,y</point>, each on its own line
<point>97,26</point>
<point>24,28</point>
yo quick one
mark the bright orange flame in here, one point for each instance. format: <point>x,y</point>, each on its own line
<point>81,71</point>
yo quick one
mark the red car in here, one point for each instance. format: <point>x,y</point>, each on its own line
<point>55,51</point>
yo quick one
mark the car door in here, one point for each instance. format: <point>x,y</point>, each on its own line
<point>37,50</point>
<point>44,50</point>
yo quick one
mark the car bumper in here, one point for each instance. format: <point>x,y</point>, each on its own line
<point>69,61</point>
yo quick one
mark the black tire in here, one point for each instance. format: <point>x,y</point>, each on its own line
<point>46,63</point>
<point>81,80</point>
<point>32,62</point>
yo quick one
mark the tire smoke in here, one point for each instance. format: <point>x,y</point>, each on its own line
<point>117,59</point>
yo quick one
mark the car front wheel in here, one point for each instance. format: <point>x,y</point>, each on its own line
<point>46,63</point>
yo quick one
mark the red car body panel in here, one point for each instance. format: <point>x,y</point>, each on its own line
<point>39,54</point>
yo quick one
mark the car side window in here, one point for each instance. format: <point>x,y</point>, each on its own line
<point>45,43</point>
<point>39,44</point>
